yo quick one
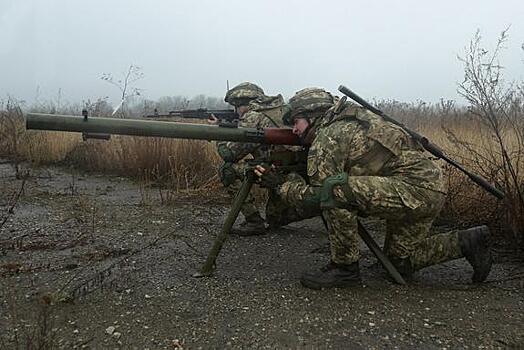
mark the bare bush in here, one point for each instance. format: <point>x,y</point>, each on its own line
<point>497,108</point>
<point>99,108</point>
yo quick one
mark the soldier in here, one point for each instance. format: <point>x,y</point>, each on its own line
<point>360,165</point>
<point>256,110</point>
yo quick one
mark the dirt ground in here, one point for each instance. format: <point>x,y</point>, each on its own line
<point>96,262</point>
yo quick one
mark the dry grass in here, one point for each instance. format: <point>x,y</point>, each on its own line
<point>177,164</point>
<point>467,203</point>
<point>48,146</point>
<point>181,164</point>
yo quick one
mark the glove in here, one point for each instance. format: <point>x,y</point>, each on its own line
<point>312,198</point>
<point>226,153</point>
<point>327,198</point>
<point>309,196</point>
<point>227,174</point>
<point>268,178</point>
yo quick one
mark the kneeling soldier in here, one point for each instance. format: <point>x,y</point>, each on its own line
<point>360,165</point>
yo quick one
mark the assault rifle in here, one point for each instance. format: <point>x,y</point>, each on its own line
<point>224,117</point>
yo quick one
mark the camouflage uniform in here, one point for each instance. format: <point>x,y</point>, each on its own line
<point>389,176</point>
<point>263,112</point>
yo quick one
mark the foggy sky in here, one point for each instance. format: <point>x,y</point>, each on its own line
<point>403,50</point>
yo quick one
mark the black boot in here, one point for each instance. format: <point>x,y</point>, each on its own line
<point>253,225</point>
<point>475,245</point>
<point>332,276</point>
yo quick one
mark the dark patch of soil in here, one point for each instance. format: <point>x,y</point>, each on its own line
<point>95,262</point>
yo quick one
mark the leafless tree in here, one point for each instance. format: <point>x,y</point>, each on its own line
<point>126,86</point>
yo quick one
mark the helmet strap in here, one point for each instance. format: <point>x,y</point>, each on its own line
<point>309,134</point>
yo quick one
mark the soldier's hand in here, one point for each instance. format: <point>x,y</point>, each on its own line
<point>212,120</point>
<point>268,177</point>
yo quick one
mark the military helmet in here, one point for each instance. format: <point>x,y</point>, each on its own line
<point>309,102</point>
<point>243,93</point>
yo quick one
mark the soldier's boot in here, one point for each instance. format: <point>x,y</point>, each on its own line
<point>252,226</point>
<point>475,245</point>
<point>332,276</point>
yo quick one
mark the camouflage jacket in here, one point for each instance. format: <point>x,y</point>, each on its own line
<point>264,112</point>
<point>360,143</point>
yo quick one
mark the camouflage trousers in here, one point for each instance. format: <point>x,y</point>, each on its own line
<point>409,212</point>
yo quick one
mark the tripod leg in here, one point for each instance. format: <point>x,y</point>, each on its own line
<point>373,246</point>
<point>209,265</point>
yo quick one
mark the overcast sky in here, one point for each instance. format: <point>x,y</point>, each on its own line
<point>405,50</point>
